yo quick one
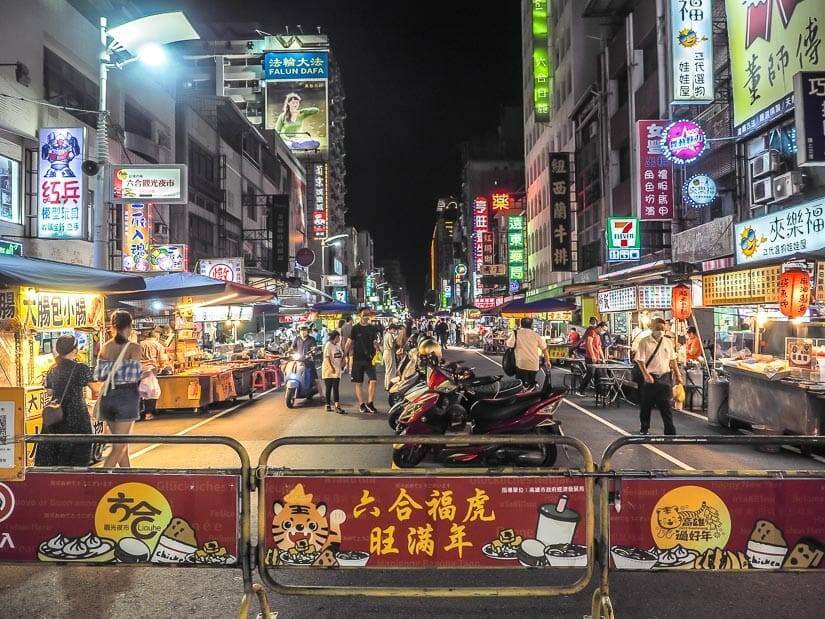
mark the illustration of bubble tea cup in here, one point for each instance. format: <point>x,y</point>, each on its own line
<point>557,523</point>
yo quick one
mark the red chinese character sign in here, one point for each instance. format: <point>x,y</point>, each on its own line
<point>655,173</point>
<point>501,202</point>
<point>481,224</point>
<point>61,184</point>
<point>794,295</point>
<point>414,521</point>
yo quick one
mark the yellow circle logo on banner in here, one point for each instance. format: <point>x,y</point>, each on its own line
<point>690,516</point>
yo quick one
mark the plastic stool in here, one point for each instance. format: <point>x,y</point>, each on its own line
<point>272,378</point>
<point>258,380</point>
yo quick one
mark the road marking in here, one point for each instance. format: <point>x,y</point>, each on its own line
<point>200,424</point>
<point>615,428</point>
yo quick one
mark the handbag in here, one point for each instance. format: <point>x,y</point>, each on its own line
<point>53,412</point>
<point>508,360</point>
<point>108,382</point>
<point>636,374</point>
<point>377,359</point>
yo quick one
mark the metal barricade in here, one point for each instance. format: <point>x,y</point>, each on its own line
<point>356,518</point>
<point>135,517</point>
<point>706,520</point>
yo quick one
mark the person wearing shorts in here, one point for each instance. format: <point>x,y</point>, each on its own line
<point>362,345</point>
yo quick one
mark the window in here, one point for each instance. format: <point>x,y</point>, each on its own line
<point>201,236</point>
<point>9,190</point>
<point>65,85</point>
<point>624,163</point>
<point>136,121</point>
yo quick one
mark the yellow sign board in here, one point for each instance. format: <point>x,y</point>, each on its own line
<point>52,311</point>
<point>12,448</point>
<point>769,42</point>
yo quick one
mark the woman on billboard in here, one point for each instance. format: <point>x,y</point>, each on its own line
<point>290,123</point>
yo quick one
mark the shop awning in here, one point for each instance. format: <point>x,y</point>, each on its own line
<point>174,287</point>
<point>63,277</point>
<point>521,306</point>
<point>332,307</point>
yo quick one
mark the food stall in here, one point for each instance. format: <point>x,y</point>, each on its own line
<point>551,317</point>
<point>39,301</point>
<point>189,302</point>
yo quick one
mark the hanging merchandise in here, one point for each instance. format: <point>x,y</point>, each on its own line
<point>680,301</point>
<point>794,293</point>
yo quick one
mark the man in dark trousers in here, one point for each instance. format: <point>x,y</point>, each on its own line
<point>656,358</point>
<point>442,331</point>
<point>363,344</point>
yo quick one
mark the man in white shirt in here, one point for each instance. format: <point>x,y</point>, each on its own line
<point>659,374</point>
<point>527,345</point>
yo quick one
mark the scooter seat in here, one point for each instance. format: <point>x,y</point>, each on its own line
<point>500,388</point>
<point>486,412</point>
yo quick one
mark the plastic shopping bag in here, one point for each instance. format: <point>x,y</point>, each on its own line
<point>149,387</point>
<point>679,392</point>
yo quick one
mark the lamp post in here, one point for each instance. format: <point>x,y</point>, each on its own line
<point>327,242</point>
<point>142,38</point>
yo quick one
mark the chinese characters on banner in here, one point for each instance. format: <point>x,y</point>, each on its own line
<point>655,173</point>
<point>691,34</point>
<point>617,300</point>
<point>500,202</point>
<point>515,248</point>
<point>279,222</point>
<point>319,213</point>
<point>227,269</point>
<point>542,75</point>
<point>769,42</point>
<point>792,230</point>
<point>161,183</point>
<point>561,217</point>
<point>8,305</point>
<point>61,184</point>
<point>169,257</point>
<point>481,224</point>
<point>809,114</point>
<point>135,237</point>
<point>487,249</point>
<point>49,311</point>
<point>420,521</point>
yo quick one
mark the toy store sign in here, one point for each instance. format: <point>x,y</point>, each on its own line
<point>92,518</point>
<point>61,184</point>
<point>784,233</point>
<point>416,522</point>
<point>720,524</point>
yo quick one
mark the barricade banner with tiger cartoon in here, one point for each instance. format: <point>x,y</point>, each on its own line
<point>722,524</point>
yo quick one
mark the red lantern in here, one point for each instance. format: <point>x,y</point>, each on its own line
<point>680,301</point>
<point>794,295</point>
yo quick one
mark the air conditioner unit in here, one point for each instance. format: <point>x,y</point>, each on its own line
<point>787,185</point>
<point>758,146</point>
<point>762,190</point>
<point>765,164</point>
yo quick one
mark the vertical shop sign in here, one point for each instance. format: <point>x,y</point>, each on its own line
<point>809,114</point>
<point>769,41</point>
<point>561,219</point>
<point>691,42</point>
<point>655,173</point>
<point>278,206</point>
<point>319,211</point>
<point>481,224</point>
<point>487,240</point>
<point>62,185</point>
<point>515,248</point>
<point>542,76</point>
<point>135,237</point>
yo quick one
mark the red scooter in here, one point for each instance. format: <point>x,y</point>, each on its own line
<point>489,405</point>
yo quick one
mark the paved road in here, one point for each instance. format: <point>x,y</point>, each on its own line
<point>122,592</point>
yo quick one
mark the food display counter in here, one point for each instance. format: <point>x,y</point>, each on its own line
<point>187,391</point>
<point>781,402</point>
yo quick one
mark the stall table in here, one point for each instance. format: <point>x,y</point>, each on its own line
<point>610,386</point>
<point>780,405</point>
<point>185,391</point>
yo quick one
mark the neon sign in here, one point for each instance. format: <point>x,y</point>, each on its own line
<point>683,141</point>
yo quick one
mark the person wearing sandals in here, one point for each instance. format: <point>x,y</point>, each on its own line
<point>67,378</point>
<point>120,406</point>
<point>331,368</point>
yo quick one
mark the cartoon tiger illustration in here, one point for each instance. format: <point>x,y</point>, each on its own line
<point>670,518</point>
<point>300,529</point>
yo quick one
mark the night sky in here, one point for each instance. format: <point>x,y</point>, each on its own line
<point>419,77</point>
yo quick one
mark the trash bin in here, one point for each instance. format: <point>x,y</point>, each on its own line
<point>695,389</point>
<point>718,388</point>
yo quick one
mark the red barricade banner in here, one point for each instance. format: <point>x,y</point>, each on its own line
<point>82,518</point>
<point>719,524</point>
<point>423,521</point>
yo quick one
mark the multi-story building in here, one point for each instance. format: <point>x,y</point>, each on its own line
<point>450,275</point>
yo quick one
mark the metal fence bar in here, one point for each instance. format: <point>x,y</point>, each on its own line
<point>263,470</point>
<point>601,603</point>
<point>247,485</point>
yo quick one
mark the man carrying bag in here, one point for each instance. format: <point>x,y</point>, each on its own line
<point>656,360</point>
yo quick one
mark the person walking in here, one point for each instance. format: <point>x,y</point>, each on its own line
<point>362,343</point>
<point>65,382</point>
<point>593,353</point>
<point>346,329</point>
<point>527,344</point>
<point>442,331</point>
<point>120,406</point>
<point>656,358</point>
<point>388,355</point>
<point>153,358</point>
<point>331,370</point>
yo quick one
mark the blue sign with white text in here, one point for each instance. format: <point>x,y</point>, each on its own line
<point>295,66</point>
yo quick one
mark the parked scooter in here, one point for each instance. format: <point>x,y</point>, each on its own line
<point>299,378</point>
<point>452,402</point>
<point>409,374</point>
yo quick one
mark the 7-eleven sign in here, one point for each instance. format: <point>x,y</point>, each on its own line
<point>623,239</point>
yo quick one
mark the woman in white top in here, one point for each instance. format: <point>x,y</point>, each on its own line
<point>388,354</point>
<point>331,367</point>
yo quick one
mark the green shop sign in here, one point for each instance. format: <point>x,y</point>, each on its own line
<point>515,248</point>
<point>542,79</point>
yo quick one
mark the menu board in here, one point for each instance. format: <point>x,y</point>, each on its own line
<point>617,300</point>
<point>654,297</point>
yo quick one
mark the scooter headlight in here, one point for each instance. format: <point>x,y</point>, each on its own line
<point>296,357</point>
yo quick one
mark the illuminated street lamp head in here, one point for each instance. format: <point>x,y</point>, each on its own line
<point>152,54</point>
<point>337,237</point>
<point>157,30</point>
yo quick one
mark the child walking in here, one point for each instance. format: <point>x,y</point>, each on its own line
<point>331,368</point>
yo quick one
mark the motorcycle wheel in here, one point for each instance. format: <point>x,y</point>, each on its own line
<point>407,456</point>
<point>394,398</point>
<point>289,397</point>
<point>551,451</point>
<point>394,414</point>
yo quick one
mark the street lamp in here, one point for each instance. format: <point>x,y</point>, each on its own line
<point>142,38</point>
<point>327,242</point>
